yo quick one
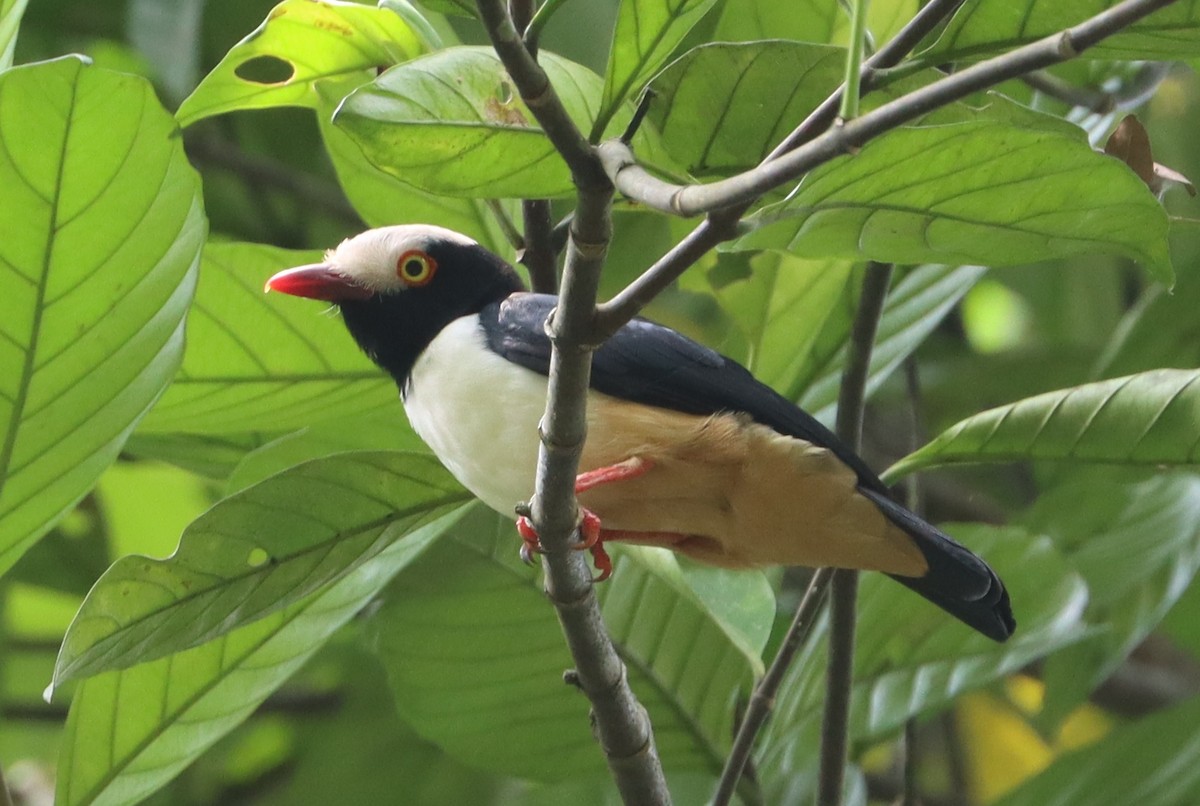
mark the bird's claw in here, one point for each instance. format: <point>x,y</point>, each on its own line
<point>531,545</point>
<point>589,529</point>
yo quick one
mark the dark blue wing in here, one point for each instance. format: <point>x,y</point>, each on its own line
<point>655,365</point>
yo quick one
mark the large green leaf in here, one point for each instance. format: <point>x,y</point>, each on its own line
<point>299,44</point>
<point>103,224</point>
<point>1145,419</point>
<point>10,20</point>
<point>780,306</point>
<point>253,554</point>
<point>913,659</point>
<point>263,362</point>
<point>984,28</point>
<point>452,123</point>
<point>475,657</point>
<point>130,731</point>
<point>721,108</point>
<point>647,32</point>
<point>383,430</point>
<point>382,199</point>
<point>815,21</point>
<point>1137,545</point>
<point>1152,762</point>
<point>987,191</point>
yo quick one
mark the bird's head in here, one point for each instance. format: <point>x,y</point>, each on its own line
<point>397,287</point>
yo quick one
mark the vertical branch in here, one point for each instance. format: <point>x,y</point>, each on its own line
<point>910,795</point>
<point>839,681</point>
<point>538,254</point>
<point>621,724</point>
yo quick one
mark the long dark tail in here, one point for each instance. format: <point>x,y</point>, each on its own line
<point>958,582</point>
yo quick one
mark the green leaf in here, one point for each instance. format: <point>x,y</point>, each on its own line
<point>1138,548</point>
<point>981,191</point>
<point>913,310</point>
<point>263,362</point>
<point>10,20</point>
<point>813,21</point>
<point>647,32</point>
<point>780,306</point>
<point>383,430</point>
<point>1145,419</point>
<point>451,123</point>
<point>985,28</point>
<point>1152,762</point>
<point>104,225</point>
<point>253,554</point>
<point>721,108</point>
<point>913,659</point>
<point>382,199</point>
<point>466,631</point>
<point>131,731</point>
<point>299,44</point>
<point>213,456</point>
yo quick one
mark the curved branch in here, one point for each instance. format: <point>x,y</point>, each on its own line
<point>689,200</point>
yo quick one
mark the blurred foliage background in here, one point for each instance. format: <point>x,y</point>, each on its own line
<point>333,733</point>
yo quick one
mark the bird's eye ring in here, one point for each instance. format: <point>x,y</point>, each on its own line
<point>415,268</point>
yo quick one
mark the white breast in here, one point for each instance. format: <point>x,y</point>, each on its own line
<point>479,413</point>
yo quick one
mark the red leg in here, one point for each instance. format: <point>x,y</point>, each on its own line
<point>631,468</point>
<point>589,526</point>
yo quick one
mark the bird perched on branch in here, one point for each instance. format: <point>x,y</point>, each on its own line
<point>685,449</point>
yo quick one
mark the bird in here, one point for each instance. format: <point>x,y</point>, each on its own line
<point>685,449</point>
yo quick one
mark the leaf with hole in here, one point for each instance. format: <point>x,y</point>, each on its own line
<point>299,44</point>
<point>253,554</point>
<point>131,731</point>
<point>1144,419</point>
<point>985,191</point>
<point>103,223</point>
<point>263,362</point>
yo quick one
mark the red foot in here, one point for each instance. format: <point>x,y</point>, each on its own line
<point>589,526</point>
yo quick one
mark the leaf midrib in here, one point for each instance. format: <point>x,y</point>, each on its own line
<point>21,398</point>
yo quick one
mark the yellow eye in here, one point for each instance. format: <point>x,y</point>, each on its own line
<point>415,268</point>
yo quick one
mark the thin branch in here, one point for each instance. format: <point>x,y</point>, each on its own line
<point>851,87</point>
<point>911,794</point>
<point>539,256</point>
<point>621,724</point>
<point>763,698</point>
<point>722,224</point>
<point>840,677</point>
<point>688,200</point>
<point>1130,94</point>
<point>507,227</point>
